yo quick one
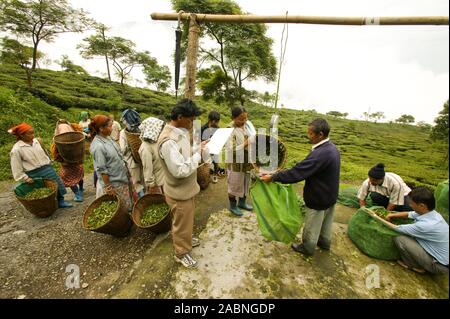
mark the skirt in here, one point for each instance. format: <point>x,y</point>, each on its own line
<point>71,175</point>
<point>238,183</point>
<point>122,191</point>
<point>47,171</point>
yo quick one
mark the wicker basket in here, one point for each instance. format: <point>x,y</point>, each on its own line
<point>282,150</point>
<point>142,204</point>
<point>203,175</point>
<point>71,147</point>
<point>120,223</point>
<point>42,207</point>
<point>135,143</point>
<point>87,146</point>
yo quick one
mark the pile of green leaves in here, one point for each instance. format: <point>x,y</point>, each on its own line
<point>154,214</point>
<point>102,214</point>
<point>381,212</point>
<point>39,193</point>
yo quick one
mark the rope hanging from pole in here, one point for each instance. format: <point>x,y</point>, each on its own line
<point>282,54</point>
<point>178,35</point>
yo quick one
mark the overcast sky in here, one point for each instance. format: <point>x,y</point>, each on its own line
<point>395,70</point>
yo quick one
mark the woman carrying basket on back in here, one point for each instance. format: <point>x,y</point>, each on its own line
<point>132,120</point>
<point>109,164</point>
<point>153,171</point>
<point>29,160</point>
<point>71,174</point>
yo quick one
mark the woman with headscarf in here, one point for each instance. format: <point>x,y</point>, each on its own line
<point>71,174</point>
<point>84,121</point>
<point>151,162</point>
<point>29,160</point>
<point>108,161</point>
<point>237,159</point>
<point>132,120</point>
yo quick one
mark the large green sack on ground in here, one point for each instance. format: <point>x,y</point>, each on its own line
<point>372,237</point>
<point>277,210</point>
<point>23,188</point>
<point>348,197</point>
<point>441,196</point>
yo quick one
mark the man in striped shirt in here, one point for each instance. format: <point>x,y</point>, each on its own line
<point>385,189</point>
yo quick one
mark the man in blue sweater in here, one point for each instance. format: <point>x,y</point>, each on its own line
<point>320,169</point>
<point>425,246</point>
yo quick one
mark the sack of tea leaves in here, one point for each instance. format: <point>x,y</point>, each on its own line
<point>348,196</point>
<point>441,196</point>
<point>372,237</point>
<point>277,210</point>
<point>102,214</point>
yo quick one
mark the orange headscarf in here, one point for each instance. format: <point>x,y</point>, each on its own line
<point>96,123</point>
<point>20,129</point>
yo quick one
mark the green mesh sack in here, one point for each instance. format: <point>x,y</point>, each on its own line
<point>277,210</point>
<point>22,189</point>
<point>372,237</point>
<point>441,196</point>
<point>348,197</point>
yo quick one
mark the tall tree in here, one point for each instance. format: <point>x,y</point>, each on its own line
<point>13,52</point>
<point>124,57</point>
<point>158,75</point>
<point>440,130</point>
<point>243,51</point>
<point>41,20</point>
<point>405,119</point>
<point>97,45</point>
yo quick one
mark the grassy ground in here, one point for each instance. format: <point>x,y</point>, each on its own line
<point>404,149</point>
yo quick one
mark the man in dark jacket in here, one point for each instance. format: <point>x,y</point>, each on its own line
<point>320,169</point>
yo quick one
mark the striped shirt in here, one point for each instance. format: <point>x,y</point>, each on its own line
<point>393,187</point>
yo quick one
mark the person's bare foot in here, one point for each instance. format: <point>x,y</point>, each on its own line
<point>417,270</point>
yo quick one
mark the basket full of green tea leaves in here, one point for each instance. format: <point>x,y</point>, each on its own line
<point>39,197</point>
<point>108,215</point>
<point>151,212</point>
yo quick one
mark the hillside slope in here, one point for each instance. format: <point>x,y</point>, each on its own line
<point>405,149</point>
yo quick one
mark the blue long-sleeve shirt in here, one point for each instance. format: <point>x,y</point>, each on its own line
<point>431,232</point>
<point>320,170</point>
<point>108,160</point>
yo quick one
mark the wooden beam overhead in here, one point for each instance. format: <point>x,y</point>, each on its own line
<point>220,18</point>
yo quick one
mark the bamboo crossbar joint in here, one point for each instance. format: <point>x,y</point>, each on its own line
<point>220,18</point>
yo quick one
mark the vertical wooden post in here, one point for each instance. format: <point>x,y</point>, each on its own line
<point>191,61</point>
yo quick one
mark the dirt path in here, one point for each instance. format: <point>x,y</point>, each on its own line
<point>235,261</point>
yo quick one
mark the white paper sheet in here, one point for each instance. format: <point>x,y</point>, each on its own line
<point>218,140</point>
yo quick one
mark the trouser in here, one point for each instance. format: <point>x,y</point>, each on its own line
<point>381,200</point>
<point>415,256</point>
<point>78,187</point>
<point>182,212</point>
<point>317,229</point>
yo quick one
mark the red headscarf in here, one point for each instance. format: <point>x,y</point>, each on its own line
<point>20,129</point>
<point>97,122</point>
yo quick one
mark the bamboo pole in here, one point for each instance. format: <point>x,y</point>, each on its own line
<point>220,18</point>
<point>191,60</point>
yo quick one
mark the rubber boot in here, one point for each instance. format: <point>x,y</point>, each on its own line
<point>234,209</point>
<point>64,204</point>
<point>244,205</point>
<point>78,196</point>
